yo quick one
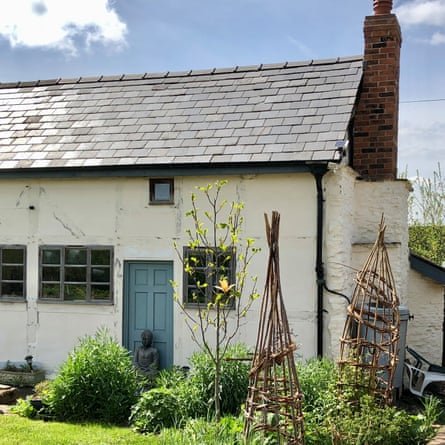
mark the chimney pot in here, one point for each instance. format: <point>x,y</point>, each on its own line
<point>382,7</point>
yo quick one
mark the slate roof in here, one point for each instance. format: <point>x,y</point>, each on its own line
<point>291,112</point>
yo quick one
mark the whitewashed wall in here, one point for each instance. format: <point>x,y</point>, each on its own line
<point>339,217</point>
<point>426,304</point>
<point>353,212</point>
<point>116,212</point>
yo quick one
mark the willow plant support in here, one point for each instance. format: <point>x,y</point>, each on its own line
<point>273,402</point>
<point>369,345</point>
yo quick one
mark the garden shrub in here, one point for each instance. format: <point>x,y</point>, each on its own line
<point>42,389</point>
<point>178,401</point>
<point>364,421</point>
<point>156,409</point>
<point>318,384</point>
<point>372,424</point>
<point>176,398</point>
<point>24,408</point>
<point>188,394</point>
<point>97,382</point>
<point>171,378</point>
<point>234,380</point>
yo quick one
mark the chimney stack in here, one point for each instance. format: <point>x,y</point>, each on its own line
<point>376,120</point>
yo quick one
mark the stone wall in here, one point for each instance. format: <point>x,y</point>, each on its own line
<point>352,219</point>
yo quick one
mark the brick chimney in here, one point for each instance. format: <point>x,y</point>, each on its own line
<point>376,121</point>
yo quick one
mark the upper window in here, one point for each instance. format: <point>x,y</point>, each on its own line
<point>12,269</point>
<point>161,191</point>
<point>204,267</point>
<point>76,273</point>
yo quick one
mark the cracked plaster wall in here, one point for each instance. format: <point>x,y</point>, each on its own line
<point>116,212</point>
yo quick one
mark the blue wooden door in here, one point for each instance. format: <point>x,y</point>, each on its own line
<point>148,304</point>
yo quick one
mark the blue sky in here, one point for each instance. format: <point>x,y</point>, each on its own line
<point>47,39</point>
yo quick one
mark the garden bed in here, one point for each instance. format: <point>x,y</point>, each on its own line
<point>21,378</point>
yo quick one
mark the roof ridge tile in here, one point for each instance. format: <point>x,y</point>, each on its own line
<point>171,74</point>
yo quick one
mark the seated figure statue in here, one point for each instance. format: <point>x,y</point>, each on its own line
<point>146,357</point>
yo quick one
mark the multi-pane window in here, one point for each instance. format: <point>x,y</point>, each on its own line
<point>12,269</point>
<point>76,273</point>
<point>204,268</point>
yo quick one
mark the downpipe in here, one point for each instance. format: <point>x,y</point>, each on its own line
<point>318,171</point>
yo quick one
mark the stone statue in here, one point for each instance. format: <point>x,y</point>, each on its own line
<point>146,357</point>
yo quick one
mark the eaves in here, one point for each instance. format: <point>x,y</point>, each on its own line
<point>162,170</point>
<point>427,268</point>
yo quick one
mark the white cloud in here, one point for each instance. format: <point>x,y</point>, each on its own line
<point>421,131</point>
<point>425,16</point>
<point>437,39</point>
<point>422,12</point>
<point>61,24</point>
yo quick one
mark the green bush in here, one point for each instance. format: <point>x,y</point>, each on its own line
<point>318,383</point>
<point>234,380</point>
<point>171,401</point>
<point>371,424</point>
<point>29,408</point>
<point>42,389</point>
<point>428,241</point>
<point>356,422</point>
<point>189,395</point>
<point>24,408</point>
<point>169,378</point>
<point>156,409</point>
<point>178,401</point>
<point>176,398</point>
<point>97,382</point>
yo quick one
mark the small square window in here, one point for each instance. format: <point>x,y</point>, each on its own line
<point>161,191</point>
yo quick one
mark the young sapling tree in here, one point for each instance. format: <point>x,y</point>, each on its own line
<point>215,261</point>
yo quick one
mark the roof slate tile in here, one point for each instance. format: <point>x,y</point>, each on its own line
<point>292,111</point>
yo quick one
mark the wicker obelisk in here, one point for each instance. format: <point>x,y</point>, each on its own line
<point>273,403</point>
<point>368,347</point>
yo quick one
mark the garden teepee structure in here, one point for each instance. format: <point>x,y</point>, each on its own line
<point>273,403</point>
<point>368,347</point>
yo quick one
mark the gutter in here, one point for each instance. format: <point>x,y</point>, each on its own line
<point>155,170</point>
<point>427,268</point>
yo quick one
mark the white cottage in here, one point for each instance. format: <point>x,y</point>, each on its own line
<point>96,175</point>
